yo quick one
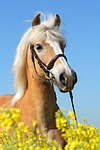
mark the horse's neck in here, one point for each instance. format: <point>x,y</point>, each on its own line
<point>39,103</point>
<point>41,93</point>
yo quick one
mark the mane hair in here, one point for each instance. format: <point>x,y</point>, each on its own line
<point>46,30</point>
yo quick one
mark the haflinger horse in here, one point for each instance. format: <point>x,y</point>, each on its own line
<point>39,63</point>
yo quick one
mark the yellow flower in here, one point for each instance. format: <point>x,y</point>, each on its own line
<point>1,147</point>
<point>26,128</point>
<point>34,123</point>
<point>92,146</point>
<point>37,131</point>
<point>84,119</point>
<point>21,124</point>
<point>70,114</point>
<point>78,136</point>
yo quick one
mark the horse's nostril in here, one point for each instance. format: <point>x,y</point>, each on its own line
<point>62,79</point>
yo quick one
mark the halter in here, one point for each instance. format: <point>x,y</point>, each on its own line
<point>47,68</point>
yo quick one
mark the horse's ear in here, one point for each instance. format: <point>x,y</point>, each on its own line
<point>57,21</point>
<point>36,20</point>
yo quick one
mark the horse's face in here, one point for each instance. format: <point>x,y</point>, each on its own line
<point>64,76</point>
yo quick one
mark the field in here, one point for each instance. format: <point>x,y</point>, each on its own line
<point>15,135</point>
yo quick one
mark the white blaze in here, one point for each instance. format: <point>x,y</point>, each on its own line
<point>57,51</point>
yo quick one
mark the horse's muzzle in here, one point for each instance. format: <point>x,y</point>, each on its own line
<point>67,82</point>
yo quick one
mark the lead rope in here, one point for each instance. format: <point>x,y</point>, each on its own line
<point>71,96</point>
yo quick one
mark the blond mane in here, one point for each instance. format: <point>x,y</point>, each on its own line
<point>45,30</point>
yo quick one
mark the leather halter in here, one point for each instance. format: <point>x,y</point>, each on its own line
<point>47,68</point>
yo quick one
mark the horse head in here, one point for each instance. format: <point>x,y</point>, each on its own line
<point>47,49</point>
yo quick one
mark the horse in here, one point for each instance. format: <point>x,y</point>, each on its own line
<point>40,64</point>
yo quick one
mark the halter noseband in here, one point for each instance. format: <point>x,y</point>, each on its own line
<point>47,68</point>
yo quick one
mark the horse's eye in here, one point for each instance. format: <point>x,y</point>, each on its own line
<point>38,47</point>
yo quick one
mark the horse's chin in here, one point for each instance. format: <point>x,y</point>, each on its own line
<point>62,91</point>
<point>65,90</point>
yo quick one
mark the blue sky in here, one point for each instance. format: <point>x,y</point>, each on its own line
<point>81,27</point>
